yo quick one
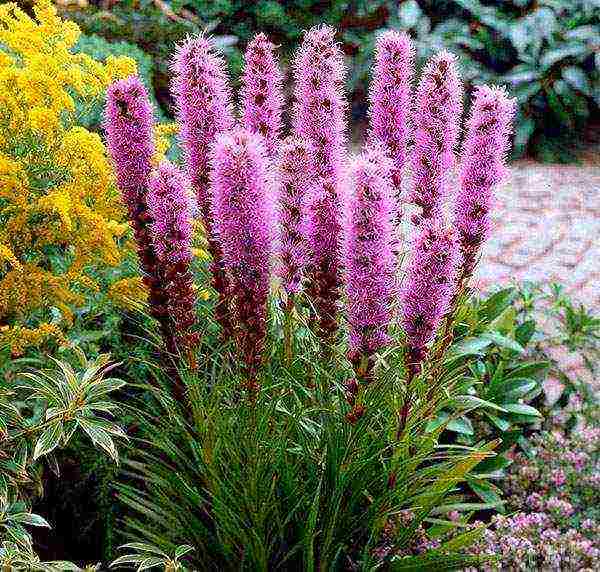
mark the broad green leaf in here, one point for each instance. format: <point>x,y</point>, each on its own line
<point>183,550</point>
<point>504,342</point>
<point>470,346</point>
<point>476,402</point>
<point>497,463</point>
<point>463,540</point>
<point>524,130</point>
<point>409,13</point>
<point>571,49</point>
<point>525,331</point>
<point>144,547</point>
<point>500,423</point>
<point>496,304</point>
<point>487,492</point>
<point>461,425</point>
<point>433,562</point>
<point>528,370</point>
<point>99,436</point>
<point>522,409</point>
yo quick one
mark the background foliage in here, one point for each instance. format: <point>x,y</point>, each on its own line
<point>547,52</point>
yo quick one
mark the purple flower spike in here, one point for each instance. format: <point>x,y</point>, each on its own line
<point>483,166</point>
<point>203,109</point>
<point>369,258</point>
<point>390,98</point>
<point>319,111</point>
<point>243,215</point>
<point>319,108</point>
<point>261,93</point>
<point>295,179</point>
<point>171,203</point>
<point>428,289</point>
<point>325,242</point>
<point>128,123</point>
<point>437,111</point>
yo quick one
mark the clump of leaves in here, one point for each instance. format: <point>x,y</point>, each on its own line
<point>41,412</point>
<point>546,52</point>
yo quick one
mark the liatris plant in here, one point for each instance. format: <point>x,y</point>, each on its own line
<point>170,203</point>
<point>390,97</point>
<point>437,114</point>
<point>243,215</point>
<point>483,166</point>
<point>203,110</point>
<point>319,119</point>
<point>370,262</point>
<point>261,94</point>
<point>428,290</point>
<point>128,125</point>
<point>295,181</point>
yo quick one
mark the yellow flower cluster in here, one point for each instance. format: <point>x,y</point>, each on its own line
<point>60,214</point>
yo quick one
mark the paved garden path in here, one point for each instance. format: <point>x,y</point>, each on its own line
<point>547,228</point>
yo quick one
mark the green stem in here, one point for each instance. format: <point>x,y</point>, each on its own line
<point>288,330</point>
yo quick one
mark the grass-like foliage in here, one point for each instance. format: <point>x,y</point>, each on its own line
<point>288,481</point>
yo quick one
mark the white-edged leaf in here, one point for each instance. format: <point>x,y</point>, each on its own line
<point>183,550</point>
<point>48,440</point>
<point>99,437</point>
<point>578,79</point>
<point>30,519</point>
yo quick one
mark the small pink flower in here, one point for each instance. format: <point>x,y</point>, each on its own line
<point>558,477</point>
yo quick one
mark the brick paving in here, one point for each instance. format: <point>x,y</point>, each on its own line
<point>547,228</point>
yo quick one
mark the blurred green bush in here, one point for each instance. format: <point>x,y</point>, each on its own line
<point>546,51</point>
<point>99,48</point>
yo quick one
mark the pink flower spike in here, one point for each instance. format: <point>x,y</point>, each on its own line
<point>261,92</point>
<point>428,289</point>
<point>203,107</point>
<point>171,203</point>
<point>319,107</point>
<point>437,111</point>
<point>390,98</point>
<point>325,245</point>
<point>295,180</point>
<point>370,262</point>
<point>128,124</point>
<point>483,167</point>
<point>243,215</point>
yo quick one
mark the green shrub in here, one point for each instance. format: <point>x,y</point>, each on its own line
<point>99,49</point>
<point>546,51</point>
